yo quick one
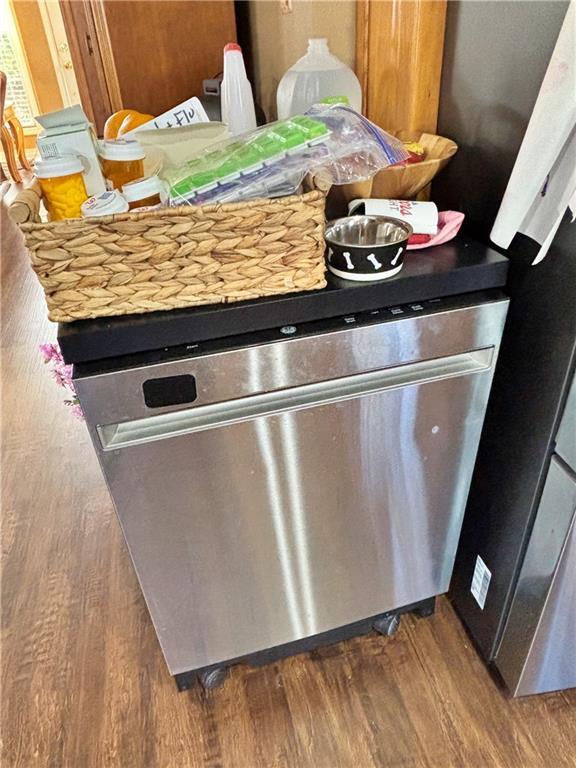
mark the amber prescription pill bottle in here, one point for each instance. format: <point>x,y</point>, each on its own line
<point>142,193</point>
<point>122,161</point>
<point>62,185</point>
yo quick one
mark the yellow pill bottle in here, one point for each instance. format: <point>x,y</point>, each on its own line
<point>122,161</point>
<point>62,184</point>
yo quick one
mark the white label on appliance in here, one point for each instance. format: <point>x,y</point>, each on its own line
<point>480,581</point>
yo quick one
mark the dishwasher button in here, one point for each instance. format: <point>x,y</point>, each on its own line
<point>396,311</point>
<point>350,319</point>
<point>416,307</point>
<point>288,330</point>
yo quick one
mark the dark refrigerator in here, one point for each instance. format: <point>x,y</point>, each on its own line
<point>514,583</point>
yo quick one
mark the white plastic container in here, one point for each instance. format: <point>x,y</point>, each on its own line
<point>105,204</point>
<point>316,76</point>
<point>237,99</point>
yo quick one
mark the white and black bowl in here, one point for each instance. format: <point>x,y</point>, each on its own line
<point>366,248</point>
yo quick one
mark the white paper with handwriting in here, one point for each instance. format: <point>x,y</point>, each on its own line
<point>189,112</point>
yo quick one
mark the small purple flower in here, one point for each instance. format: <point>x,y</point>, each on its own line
<point>58,378</point>
<point>77,411</point>
<point>47,351</point>
<point>62,375</point>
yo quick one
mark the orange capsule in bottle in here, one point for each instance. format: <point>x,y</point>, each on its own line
<point>62,183</point>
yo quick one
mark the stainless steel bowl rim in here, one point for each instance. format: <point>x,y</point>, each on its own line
<point>380,219</point>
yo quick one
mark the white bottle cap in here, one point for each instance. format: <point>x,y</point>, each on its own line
<point>140,189</point>
<point>318,45</point>
<point>105,204</point>
<point>234,63</point>
<point>121,149</point>
<point>52,167</point>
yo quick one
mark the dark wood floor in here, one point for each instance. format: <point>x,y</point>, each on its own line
<point>84,682</point>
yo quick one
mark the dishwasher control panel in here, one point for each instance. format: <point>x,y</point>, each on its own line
<point>369,317</point>
<point>286,332</point>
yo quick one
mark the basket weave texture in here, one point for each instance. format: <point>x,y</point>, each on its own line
<point>179,257</point>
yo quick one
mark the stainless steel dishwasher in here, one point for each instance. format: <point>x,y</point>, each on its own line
<point>278,486</point>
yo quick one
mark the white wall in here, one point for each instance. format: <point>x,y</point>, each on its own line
<point>279,39</point>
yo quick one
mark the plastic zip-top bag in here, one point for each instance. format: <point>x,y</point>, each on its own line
<point>273,160</point>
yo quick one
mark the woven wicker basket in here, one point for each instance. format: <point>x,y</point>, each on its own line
<point>177,257</point>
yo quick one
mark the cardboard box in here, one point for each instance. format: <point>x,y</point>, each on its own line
<point>68,132</point>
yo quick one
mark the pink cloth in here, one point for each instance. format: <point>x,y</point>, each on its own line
<point>449,223</point>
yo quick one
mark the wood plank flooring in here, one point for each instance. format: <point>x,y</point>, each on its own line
<point>84,683</point>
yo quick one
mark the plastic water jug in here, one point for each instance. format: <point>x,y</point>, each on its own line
<point>317,76</point>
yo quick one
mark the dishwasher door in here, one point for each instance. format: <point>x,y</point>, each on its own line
<point>312,482</point>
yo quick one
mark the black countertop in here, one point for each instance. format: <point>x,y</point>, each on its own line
<point>461,266</point>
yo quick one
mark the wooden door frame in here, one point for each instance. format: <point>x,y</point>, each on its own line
<point>106,55</point>
<point>89,62</point>
<point>399,52</point>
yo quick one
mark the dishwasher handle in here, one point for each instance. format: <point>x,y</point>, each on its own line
<point>190,420</point>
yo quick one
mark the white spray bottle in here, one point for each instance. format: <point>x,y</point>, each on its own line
<point>237,100</point>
